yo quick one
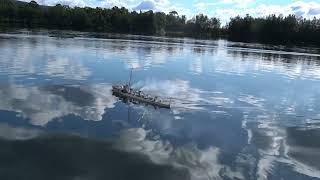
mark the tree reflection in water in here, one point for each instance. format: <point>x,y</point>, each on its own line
<point>67,157</point>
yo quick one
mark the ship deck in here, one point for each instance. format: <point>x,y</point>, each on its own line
<point>140,99</point>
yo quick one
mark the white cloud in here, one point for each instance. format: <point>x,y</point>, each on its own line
<point>72,3</point>
<point>146,5</point>
<point>314,11</point>
<point>299,8</point>
<point>306,9</point>
<point>181,10</point>
<point>86,3</point>
<point>137,5</point>
<point>238,3</point>
<point>224,9</point>
<point>200,6</point>
<point>159,5</point>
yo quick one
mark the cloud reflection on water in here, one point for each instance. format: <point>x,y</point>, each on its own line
<point>203,134</point>
<point>183,97</point>
<point>293,65</point>
<point>43,104</point>
<point>8,132</point>
<point>66,68</point>
<point>270,136</point>
<point>262,121</point>
<point>40,156</point>
<point>202,164</point>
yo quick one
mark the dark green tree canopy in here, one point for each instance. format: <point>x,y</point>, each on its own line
<point>118,20</point>
<point>270,29</point>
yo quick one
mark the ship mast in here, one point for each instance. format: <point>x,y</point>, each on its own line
<point>130,78</point>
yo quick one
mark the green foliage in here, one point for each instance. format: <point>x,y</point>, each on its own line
<point>118,20</point>
<point>8,10</point>
<point>270,29</point>
<point>160,22</point>
<point>275,29</point>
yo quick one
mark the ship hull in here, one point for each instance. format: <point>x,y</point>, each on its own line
<point>119,93</point>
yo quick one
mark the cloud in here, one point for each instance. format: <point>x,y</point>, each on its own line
<point>137,5</point>
<point>299,8</point>
<point>305,9</point>
<point>86,3</point>
<point>72,3</point>
<point>155,5</point>
<point>299,13</point>
<point>224,9</point>
<point>181,10</point>
<point>146,5</point>
<point>314,11</point>
<point>238,3</point>
<point>163,6</point>
<point>295,8</point>
<point>202,6</point>
<point>259,11</point>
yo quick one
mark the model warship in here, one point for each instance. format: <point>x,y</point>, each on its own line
<point>126,92</point>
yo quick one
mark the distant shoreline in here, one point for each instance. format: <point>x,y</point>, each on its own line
<point>70,33</point>
<point>274,30</point>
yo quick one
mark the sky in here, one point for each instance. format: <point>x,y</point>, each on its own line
<point>223,9</point>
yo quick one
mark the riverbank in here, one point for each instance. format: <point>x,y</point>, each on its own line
<point>272,29</point>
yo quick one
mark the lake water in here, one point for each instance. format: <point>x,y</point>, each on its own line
<point>239,111</point>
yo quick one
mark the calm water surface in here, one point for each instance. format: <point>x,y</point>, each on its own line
<point>239,111</point>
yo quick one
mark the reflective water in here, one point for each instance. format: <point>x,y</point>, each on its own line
<point>239,111</point>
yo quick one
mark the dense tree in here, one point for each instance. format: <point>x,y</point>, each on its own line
<point>160,22</point>
<point>8,10</point>
<point>270,29</point>
<point>59,16</point>
<point>275,29</point>
<point>118,20</point>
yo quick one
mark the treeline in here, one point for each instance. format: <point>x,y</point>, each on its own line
<point>271,29</point>
<point>118,20</point>
<point>275,29</point>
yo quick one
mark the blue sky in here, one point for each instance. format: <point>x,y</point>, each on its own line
<point>224,9</point>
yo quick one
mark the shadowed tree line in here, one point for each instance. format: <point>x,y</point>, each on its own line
<point>275,29</point>
<point>118,20</point>
<point>271,29</point>
<point>63,157</point>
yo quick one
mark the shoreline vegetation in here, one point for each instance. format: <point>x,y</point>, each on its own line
<point>272,29</point>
